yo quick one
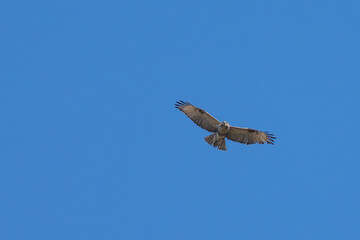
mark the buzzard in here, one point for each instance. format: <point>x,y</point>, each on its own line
<point>222,130</point>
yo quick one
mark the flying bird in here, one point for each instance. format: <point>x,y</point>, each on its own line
<point>222,130</point>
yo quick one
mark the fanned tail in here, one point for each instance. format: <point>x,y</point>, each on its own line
<point>216,141</point>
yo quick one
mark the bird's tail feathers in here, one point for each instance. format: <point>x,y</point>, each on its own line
<point>216,141</point>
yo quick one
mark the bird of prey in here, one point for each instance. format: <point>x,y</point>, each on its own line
<point>222,130</point>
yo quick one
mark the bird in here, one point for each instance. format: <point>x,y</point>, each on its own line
<point>222,130</point>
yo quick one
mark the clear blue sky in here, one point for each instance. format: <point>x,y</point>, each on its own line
<point>92,147</point>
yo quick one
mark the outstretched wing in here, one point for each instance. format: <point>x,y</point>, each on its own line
<point>249,136</point>
<point>202,118</point>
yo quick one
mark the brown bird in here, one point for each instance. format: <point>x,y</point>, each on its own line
<point>222,130</point>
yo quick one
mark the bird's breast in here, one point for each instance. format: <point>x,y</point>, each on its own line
<point>223,130</point>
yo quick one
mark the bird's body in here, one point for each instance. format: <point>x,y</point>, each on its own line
<point>223,129</point>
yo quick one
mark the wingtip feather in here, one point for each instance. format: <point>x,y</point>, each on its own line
<point>180,104</point>
<point>270,138</point>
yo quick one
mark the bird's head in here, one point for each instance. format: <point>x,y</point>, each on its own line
<point>225,123</point>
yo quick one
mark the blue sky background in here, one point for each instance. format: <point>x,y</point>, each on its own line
<point>91,146</point>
